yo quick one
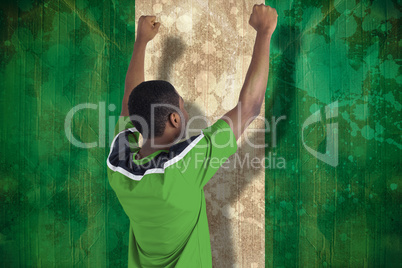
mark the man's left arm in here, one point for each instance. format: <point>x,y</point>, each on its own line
<point>146,31</point>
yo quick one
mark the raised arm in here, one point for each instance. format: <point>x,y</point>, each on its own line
<point>263,19</point>
<point>146,31</point>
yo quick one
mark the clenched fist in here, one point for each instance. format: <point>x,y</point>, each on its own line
<point>263,19</point>
<point>147,28</point>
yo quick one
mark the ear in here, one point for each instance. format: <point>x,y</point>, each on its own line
<point>174,120</point>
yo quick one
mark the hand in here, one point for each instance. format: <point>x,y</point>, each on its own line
<point>147,28</point>
<point>263,19</point>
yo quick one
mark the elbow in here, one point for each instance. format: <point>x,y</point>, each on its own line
<point>256,109</point>
<point>252,108</point>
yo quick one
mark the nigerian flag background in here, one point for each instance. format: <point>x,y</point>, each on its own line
<point>330,192</point>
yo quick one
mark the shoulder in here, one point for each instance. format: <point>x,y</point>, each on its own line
<point>185,146</point>
<point>218,135</point>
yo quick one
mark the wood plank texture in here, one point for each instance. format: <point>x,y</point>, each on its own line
<point>69,57</point>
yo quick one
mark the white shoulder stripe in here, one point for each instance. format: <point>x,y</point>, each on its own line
<point>153,170</point>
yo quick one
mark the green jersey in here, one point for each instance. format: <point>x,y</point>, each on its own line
<point>162,194</point>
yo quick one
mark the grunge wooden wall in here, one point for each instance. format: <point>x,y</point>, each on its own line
<point>330,191</point>
<point>339,60</point>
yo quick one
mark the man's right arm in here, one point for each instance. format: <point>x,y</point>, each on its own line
<point>263,20</point>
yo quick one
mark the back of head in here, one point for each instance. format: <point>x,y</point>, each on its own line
<point>150,104</point>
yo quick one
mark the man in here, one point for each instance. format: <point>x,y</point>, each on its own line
<point>160,185</point>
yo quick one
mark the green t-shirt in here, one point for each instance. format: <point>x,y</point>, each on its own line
<point>163,194</point>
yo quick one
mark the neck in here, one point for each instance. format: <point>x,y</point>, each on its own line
<point>158,144</point>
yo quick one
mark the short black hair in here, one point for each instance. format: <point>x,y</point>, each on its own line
<point>141,99</point>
